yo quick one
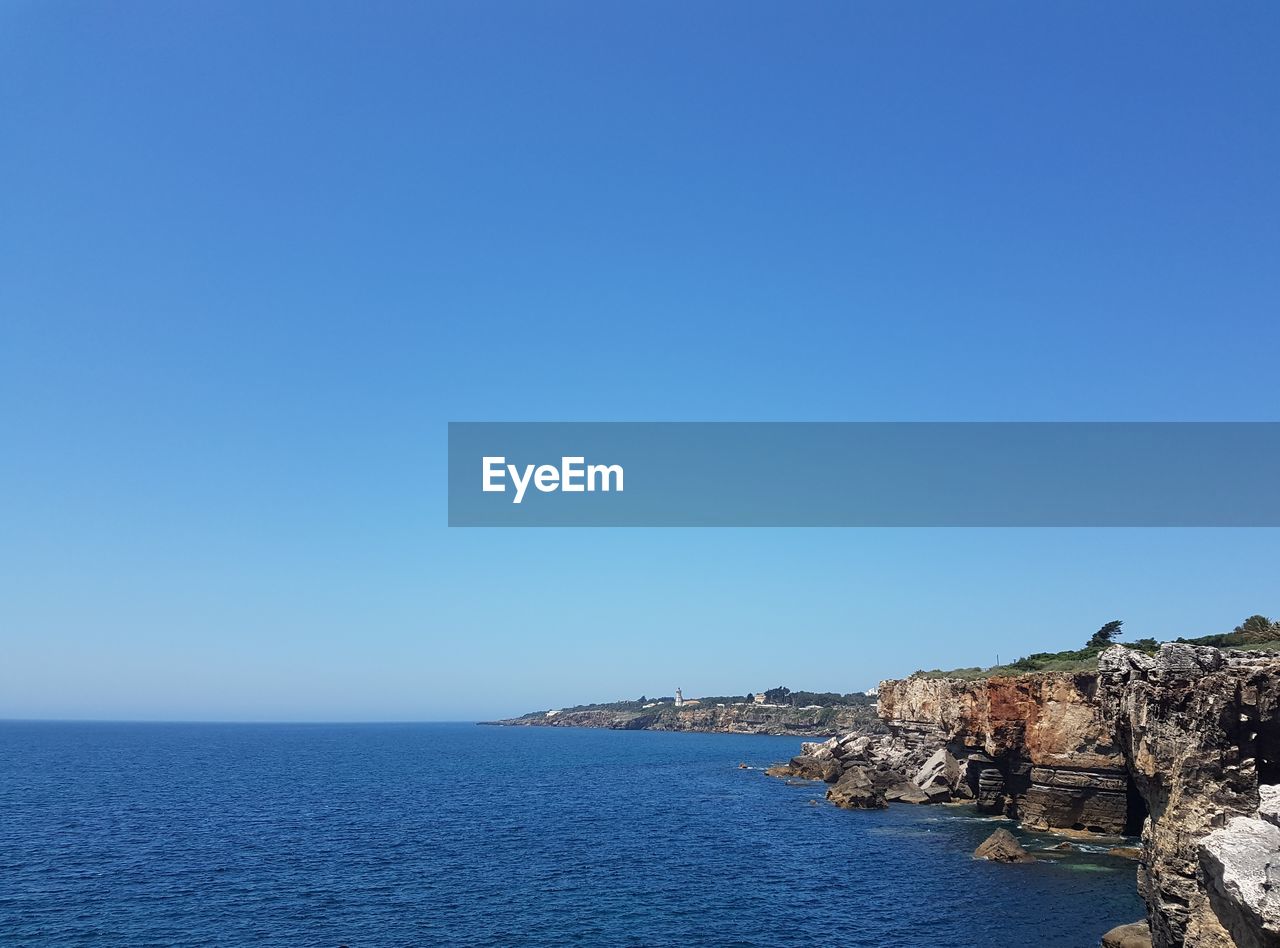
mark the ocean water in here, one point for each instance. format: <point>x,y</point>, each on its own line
<point>361,835</point>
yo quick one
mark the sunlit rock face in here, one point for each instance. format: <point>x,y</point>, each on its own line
<point>1199,730</point>
<point>1240,865</point>
<point>1183,745</point>
<point>1035,747</point>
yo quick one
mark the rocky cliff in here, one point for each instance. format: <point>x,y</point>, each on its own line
<point>1183,745</point>
<point>1200,733</point>
<point>1038,748</point>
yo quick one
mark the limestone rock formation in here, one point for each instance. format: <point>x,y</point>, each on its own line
<point>1199,730</point>
<point>1184,744</point>
<point>886,761</point>
<point>933,770</point>
<point>855,791</point>
<point>808,767</point>
<point>1269,803</point>
<point>1241,866</point>
<point>906,793</point>
<point>1133,935</point>
<point>1034,747</point>
<point>1002,846</point>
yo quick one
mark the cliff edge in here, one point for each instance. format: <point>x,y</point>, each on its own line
<point>1182,746</point>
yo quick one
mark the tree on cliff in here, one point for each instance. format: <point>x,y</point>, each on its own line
<point>1107,634</point>
<point>777,695</point>
<point>1258,629</point>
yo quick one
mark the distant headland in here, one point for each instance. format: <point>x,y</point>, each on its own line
<point>778,711</point>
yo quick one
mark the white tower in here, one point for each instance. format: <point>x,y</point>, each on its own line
<point>679,698</point>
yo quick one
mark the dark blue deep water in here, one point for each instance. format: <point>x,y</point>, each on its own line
<point>299,835</point>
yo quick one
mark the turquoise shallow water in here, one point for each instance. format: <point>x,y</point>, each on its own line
<point>327,835</point>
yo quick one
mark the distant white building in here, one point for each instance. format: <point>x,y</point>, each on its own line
<point>872,692</point>
<point>683,702</point>
<point>758,699</point>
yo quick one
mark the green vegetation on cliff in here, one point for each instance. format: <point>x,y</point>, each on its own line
<point>1257,633</point>
<point>1254,633</point>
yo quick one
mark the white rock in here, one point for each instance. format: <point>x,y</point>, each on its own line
<point>933,771</point>
<point>1269,808</point>
<point>1241,865</point>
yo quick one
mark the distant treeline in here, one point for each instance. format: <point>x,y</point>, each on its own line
<point>800,699</point>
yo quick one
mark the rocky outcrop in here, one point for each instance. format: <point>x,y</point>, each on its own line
<point>1183,744</point>
<point>882,761</point>
<point>1240,864</point>
<point>895,770</point>
<point>1002,846</point>
<point>1133,935</point>
<point>855,790</point>
<point>1269,803</point>
<point>808,767</point>
<point>1200,730</point>
<point>1034,747</point>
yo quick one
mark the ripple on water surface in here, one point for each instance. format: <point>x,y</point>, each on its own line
<point>426,834</point>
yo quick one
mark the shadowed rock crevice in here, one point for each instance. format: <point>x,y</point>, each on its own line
<point>1268,752</point>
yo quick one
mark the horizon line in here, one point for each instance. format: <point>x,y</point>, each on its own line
<point>34,720</point>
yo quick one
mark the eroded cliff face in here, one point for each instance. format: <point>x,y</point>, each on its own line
<point>1201,736</point>
<point>1184,744</point>
<point>1036,747</point>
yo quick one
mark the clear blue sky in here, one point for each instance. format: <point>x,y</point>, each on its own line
<point>254,256</point>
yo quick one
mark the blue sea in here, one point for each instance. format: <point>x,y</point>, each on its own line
<point>444,834</point>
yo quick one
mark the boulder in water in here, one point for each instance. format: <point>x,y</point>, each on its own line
<point>804,767</point>
<point>1133,935</point>
<point>1001,846</point>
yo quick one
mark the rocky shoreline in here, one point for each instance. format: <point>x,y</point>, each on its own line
<point>1182,746</point>
<point>729,719</point>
